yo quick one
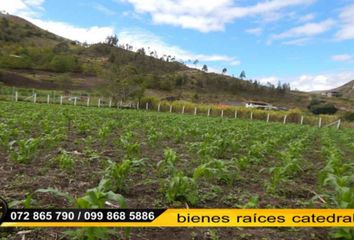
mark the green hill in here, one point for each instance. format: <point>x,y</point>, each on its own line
<point>34,58</point>
<point>347,90</point>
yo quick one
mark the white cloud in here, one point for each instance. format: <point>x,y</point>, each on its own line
<point>140,38</point>
<point>272,80</point>
<point>207,15</point>
<point>306,18</point>
<point>90,35</point>
<point>321,81</point>
<point>235,63</point>
<point>342,58</point>
<point>255,31</point>
<point>297,42</point>
<point>346,30</point>
<point>306,30</point>
<point>30,10</point>
<point>104,10</point>
<point>25,8</point>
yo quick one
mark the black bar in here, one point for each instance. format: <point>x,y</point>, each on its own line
<point>82,215</point>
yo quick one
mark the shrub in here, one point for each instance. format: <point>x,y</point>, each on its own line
<point>64,63</point>
<point>349,116</point>
<point>323,108</point>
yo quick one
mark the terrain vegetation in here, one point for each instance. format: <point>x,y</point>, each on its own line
<point>34,58</point>
<point>61,156</point>
<point>57,156</point>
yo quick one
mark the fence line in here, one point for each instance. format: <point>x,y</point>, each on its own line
<point>337,123</point>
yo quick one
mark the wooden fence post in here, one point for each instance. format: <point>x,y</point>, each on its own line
<point>171,108</point>
<point>208,112</point>
<point>110,102</point>
<point>147,106</point>
<point>61,100</point>
<point>183,109</point>
<point>251,115</point>
<point>268,117</point>
<point>48,99</point>
<point>137,106</point>
<point>285,118</point>
<point>222,113</point>
<point>338,124</point>
<point>75,101</point>
<point>16,96</point>
<point>88,101</point>
<point>35,98</point>
<point>99,102</point>
<point>320,122</point>
<point>195,111</point>
<point>236,113</point>
<point>159,107</point>
<point>302,120</point>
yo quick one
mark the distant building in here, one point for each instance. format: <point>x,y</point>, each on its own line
<point>332,94</point>
<point>259,105</point>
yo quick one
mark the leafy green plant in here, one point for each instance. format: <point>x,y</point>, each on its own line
<point>23,151</point>
<point>253,202</point>
<point>66,161</point>
<point>94,198</point>
<point>213,170</point>
<point>131,148</point>
<point>117,174</point>
<point>167,165</point>
<point>181,188</point>
<point>26,203</point>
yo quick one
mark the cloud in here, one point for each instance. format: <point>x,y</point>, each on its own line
<point>272,80</point>
<point>30,10</point>
<point>321,81</point>
<point>306,30</point>
<point>297,42</point>
<point>141,38</point>
<point>90,35</point>
<point>255,31</point>
<point>24,8</point>
<point>306,18</point>
<point>342,58</point>
<point>104,10</point>
<point>311,82</point>
<point>346,30</point>
<point>207,15</point>
<point>235,63</point>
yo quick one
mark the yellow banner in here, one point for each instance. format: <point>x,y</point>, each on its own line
<point>224,218</point>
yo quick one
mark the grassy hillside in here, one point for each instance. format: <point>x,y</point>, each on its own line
<point>34,58</point>
<point>347,90</point>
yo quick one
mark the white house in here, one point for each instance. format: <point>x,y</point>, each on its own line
<point>259,105</point>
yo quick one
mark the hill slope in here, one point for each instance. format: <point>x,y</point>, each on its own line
<point>33,57</point>
<point>347,90</point>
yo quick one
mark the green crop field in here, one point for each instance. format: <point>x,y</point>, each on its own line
<point>79,157</point>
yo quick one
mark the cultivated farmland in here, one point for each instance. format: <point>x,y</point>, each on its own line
<point>67,156</point>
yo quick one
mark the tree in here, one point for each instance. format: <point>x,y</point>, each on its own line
<point>243,75</point>
<point>321,107</point>
<point>224,70</point>
<point>65,63</point>
<point>195,63</point>
<point>141,51</point>
<point>61,47</point>
<point>112,40</point>
<point>64,81</point>
<point>5,23</point>
<point>205,68</point>
<point>125,82</point>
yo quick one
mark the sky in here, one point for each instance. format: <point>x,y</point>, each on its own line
<point>307,43</point>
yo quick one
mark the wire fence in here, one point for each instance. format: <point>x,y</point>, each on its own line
<point>163,106</point>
